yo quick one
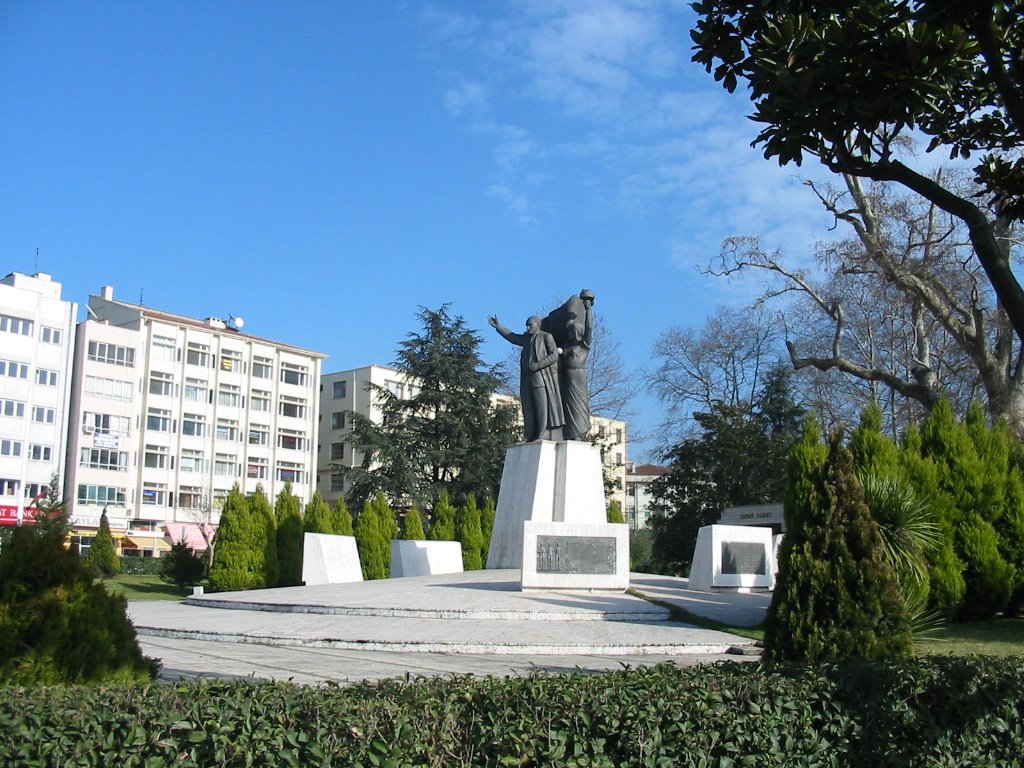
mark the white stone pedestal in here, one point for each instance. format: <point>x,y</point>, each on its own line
<point>425,558</point>
<point>548,482</point>
<point>575,556</point>
<point>739,558</point>
<point>329,559</point>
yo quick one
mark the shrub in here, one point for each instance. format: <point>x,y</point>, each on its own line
<point>57,623</point>
<point>469,534</point>
<point>288,515</point>
<point>101,554</point>
<point>442,524</point>
<point>182,566</point>
<point>237,561</point>
<point>152,566</point>
<point>341,518</point>
<point>412,525</point>
<point>374,549</point>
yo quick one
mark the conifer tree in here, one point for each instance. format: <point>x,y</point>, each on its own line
<point>101,553</point>
<point>371,543</point>
<point>341,518</point>
<point>288,514</point>
<point>614,514</point>
<point>318,518</point>
<point>235,562</point>
<point>265,536</point>
<point>412,529</point>
<point>836,594</point>
<point>442,524</point>
<point>470,535</point>
<point>487,514</point>
<point>386,517</point>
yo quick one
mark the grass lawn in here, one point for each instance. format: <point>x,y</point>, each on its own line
<point>1003,637</point>
<point>143,586</point>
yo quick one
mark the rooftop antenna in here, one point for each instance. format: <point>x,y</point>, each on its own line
<point>140,297</point>
<point>236,322</point>
<point>37,261</point>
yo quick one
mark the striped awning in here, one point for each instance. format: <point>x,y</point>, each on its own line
<point>158,543</point>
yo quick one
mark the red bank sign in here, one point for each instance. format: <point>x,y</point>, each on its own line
<point>9,514</point>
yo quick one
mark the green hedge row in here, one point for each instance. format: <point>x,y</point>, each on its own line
<point>924,712</point>
<point>136,565</point>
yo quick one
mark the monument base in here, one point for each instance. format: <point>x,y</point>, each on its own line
<point>425,558</point>
<point>329,559</point>
<point>546,482</point>
<point>739,558</point>
<point>575,556</point>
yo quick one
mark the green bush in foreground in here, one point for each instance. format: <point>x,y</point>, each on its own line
<point>925,712</point>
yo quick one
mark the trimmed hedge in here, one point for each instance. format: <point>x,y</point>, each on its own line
<point>923,712</point>
<point>141,565</point>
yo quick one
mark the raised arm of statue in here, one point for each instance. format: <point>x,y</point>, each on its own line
<point>516,338</point>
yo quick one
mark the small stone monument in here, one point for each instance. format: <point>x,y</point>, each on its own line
<point>329,559</point>
<point>425,558</point>
<point>738,558</point>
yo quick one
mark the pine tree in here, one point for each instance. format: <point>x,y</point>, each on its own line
<point>182,566</point>
<point>487,514</point>
<point>236,565</point>
<point>836,594</point>
<point>442,524</point>
<point>52,516</point>
<point>341,518</point>
<point>288,514</point>
<point>101,553</point>
<point>371,543</point>
<point>265,536</point>
<point>412,529</point>
<point>468,532</point>
<point>318,516</point>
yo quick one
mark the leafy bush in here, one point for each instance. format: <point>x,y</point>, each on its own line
<point>182,566</point>
<point>925,712</point>
<point>57,623</point>
<point>141,565</point>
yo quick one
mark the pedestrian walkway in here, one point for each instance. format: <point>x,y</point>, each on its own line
<point>474,623</point>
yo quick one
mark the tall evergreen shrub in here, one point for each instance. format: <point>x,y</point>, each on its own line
<point>487,514</point>
<point>469,534</point>
<point>266,536</point>
<point>442,524</point>
<point>238,558</point>
<point>412,528</point>
<point>374,552</point>
<point>101,552</point>
<point>341,518</point>
<point>288,515</point>
<point>318,516</point>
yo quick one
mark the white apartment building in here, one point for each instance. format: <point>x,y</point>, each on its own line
<point>350,390</point>
<point>638,492</point>
<point>37,338</point>
<point>170,412</point>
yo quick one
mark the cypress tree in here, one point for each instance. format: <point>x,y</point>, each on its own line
<point>318,518</point>
<point>371,543</point>
<point>836,594</point>
<point>470,535</point>
<point>235,565</point>
<point>412,528</point>
<point>487,513</point>
<point>614,514</point>
<point>288,514</point>
<point>341,518</point>
<point>442,526</point>
<point>265,536</point>
<point>101,553</point>
<point>386,517</point>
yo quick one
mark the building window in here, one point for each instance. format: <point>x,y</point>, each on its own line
<point>225,465</point>
<point>193,424</point>
<point>10,447</point>
<point>161,384</point>
<point>158,420</point>
<point>15,325</point>
<point>38,452</point>
<point>259,435</point>
<point>101,458</point>
<point>14,408</point>
<point>13,370</point>
<point>291,440</point>
<point>192,461</point>
<point>618,458</point>
<point>340,389</point>
<point>8,487</point>
<point>154,494</point>
<point>50,335</point>
<point>190,497</point>
<point>105,424</point>
<point>230,361</point>
<point>195,390</point>
<point>229,395</point>
<point>227,430</point>
<point>289,472</point>
<point>338,420</point>
<point>293,374</point>
<point>34,490</point>
<point>197,354</point>
<point>43,415</point>
<point>111,389</point>
<point>337,451</point>
<point>262,368</point>
<point>618,435</point>
<point>46,378</point>
<point>256,469</point>
<point>337,482</point>
<point>163,349</point>
<point>102,352</point>
<point>101,495</point>
<point>260,401</point>
<point>294,407</point>
<point>156,457</point>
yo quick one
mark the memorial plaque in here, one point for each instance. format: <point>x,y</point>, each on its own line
<point>743,557</point>
<point>576,554</point>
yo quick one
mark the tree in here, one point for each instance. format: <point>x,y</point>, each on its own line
<point>265,536</point>
<point>836,594</point>
<point>241,541</point>
<point>487,514</point>
<point>374,552</point>
<point>442,523</point>
<point>341,518</point>
<point>290,527</point>
<point>469,533</point>
<point>318,518</point>
<point>52,514</point>
<point>182,566</point>
<point>101,553</point>
<point>442,433</point>
<point>412,529</point>
<point>738,458</point>
<point>615,512</point>
<point>849,83</point>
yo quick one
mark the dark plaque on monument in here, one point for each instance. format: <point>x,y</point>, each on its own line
<point>576,554</point>
<point>743,557</point>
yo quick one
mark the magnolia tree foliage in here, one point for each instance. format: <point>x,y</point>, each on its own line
<point>442,433</point>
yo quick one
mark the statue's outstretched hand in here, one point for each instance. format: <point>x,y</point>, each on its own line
<point>493,320</point>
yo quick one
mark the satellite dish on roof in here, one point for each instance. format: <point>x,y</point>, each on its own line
<point>236,322</point>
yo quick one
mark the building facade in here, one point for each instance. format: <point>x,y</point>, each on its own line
<point>169,412</point>
<point>37,339</point>
<point>638,492</point>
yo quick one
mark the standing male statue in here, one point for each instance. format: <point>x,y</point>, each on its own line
<point>572,325</point>
<point>538,379</point>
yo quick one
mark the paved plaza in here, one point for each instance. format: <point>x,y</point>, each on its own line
<point>476,623</point>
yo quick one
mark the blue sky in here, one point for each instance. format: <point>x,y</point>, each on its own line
<point>322,169</point>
